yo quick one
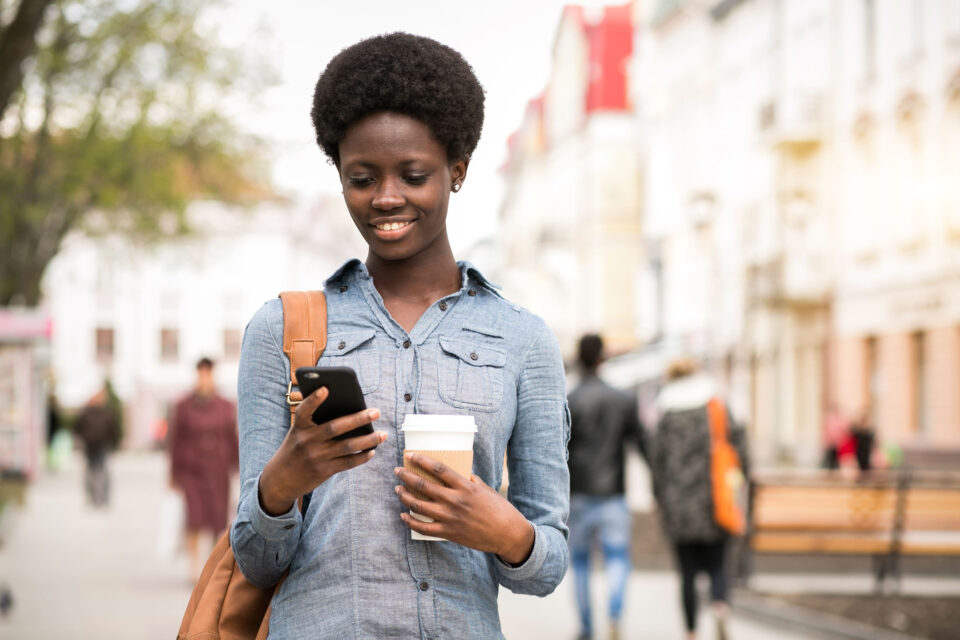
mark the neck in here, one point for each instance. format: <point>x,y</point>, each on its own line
<point>420,277</point>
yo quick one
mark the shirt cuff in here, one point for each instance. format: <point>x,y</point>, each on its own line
<point>532,564</point>
<point>274,528</point>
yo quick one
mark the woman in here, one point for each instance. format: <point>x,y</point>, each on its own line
<point>399,116</point>
<point>203,457</point>
<point>680,463</point>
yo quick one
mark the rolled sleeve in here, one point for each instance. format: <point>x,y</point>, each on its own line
<point>537,463</point>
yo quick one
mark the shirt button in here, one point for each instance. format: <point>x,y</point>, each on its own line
<point>472,292</point>
<point>443,306</point>
<point>474,356</point>
<point>407,397</point>
<point>406,344</point>
<point>342,345</point>
<point>343,288</point>
<point>424,585</point>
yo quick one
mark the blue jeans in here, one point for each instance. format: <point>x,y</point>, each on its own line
<point>606,520</point>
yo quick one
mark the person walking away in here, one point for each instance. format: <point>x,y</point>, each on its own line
<point>680,461</point>
<point>203,455</point>
<point>836,428</point>
<point>864,440</point>
<point>98,428</point>
<point>603,424</point>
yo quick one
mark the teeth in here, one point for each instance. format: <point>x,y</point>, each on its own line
<point>392,226</point>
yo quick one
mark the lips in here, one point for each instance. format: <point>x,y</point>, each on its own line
<point>390,230</point>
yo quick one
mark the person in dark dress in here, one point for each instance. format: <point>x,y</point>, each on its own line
<point>203,455</point>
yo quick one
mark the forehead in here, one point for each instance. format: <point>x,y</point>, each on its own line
<point>386,137</point>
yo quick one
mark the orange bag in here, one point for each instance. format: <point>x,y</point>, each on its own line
<point>726,474</point>
<point>224,605</point>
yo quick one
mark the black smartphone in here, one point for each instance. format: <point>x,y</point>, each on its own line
<point>345,395</point>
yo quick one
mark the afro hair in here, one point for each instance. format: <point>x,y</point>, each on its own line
<point>404,73</point>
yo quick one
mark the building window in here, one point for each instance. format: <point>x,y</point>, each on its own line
<point>869,40</point>
<point>873,379</point>
<point>169,344</point>
<point>916,15</point>
<point>231,343</point>
<point>921,419</point>
<point>104,344</point>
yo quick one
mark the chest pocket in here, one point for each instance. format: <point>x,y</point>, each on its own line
<point>470,374</point>
<point>357,350</point>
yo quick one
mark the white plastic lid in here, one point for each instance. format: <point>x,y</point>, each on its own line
<point>439,422</point>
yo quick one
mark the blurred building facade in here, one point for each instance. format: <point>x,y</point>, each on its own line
<point>797,219</point>
<point>571,236</point>
<point>143,315</point>
<point>797,164</point>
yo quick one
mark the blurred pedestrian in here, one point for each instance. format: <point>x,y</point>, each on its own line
<point>683,467</point>
<point>864,439</point>
<point>604,422</point>
<point>203,455</point>
<point>836,429</point>
<point>98,428</point>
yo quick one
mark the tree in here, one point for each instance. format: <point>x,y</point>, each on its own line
<point>115,123</point>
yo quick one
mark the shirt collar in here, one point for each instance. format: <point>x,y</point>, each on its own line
<point>353,269</point>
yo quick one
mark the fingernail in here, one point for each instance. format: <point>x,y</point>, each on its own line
<point>383,436</point>
<point>396,490</point>
<point>408,455</point>
<point>373,414</point>
<point>396,471</point>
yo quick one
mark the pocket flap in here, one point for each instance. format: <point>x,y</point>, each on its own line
<point>343,343</point>
<point>478,355</point>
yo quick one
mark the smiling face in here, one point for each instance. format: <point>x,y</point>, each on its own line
<point>396,182</point>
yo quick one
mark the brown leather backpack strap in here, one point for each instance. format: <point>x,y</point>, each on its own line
<point>304,335</point>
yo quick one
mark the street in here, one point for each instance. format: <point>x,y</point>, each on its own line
<point>76,572</point>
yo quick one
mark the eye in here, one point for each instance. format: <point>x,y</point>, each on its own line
<point>419,178</point>
<point>360,181</point>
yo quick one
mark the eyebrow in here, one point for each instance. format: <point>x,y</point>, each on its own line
<point>366,163</point>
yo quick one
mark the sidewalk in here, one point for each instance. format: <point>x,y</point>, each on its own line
<point>80,573</point>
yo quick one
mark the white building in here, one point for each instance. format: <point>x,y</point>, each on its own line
<point>142,315</point>
<point>798,200</point>
<point>570,221</point>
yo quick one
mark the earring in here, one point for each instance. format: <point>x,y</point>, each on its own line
<point>456,187</point>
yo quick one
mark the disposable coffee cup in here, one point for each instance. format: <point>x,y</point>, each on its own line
<point>447,438</point>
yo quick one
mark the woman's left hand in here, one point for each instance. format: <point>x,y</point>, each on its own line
<point>468,512</point>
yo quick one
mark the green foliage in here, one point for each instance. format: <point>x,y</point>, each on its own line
<point>118,125</point>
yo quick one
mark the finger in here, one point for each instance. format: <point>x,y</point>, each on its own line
<point>305,411</point>
<point>478,480</point>
<point>360,443</point>
<point>440,470</point>
<point>423,507</point>
<point>344,463</point>
<point>435,529</point>
<point>422,485</point>
<point>339,426</point>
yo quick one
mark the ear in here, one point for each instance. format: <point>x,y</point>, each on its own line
<point>458,173</point>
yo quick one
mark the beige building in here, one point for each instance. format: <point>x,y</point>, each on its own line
<point>798,195</point>
<point>571,236</point>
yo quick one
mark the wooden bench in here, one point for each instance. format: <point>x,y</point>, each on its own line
<point>883,515</point>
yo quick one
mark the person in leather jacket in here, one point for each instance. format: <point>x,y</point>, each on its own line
<point>604,423</point>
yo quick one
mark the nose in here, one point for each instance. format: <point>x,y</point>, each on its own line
<point>387,195</point>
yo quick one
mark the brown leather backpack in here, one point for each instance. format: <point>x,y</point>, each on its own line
<point>224,605</point>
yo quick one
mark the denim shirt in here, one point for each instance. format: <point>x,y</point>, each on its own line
<point>354,572</point>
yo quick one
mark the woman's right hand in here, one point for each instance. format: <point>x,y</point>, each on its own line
<point>309,455</point>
